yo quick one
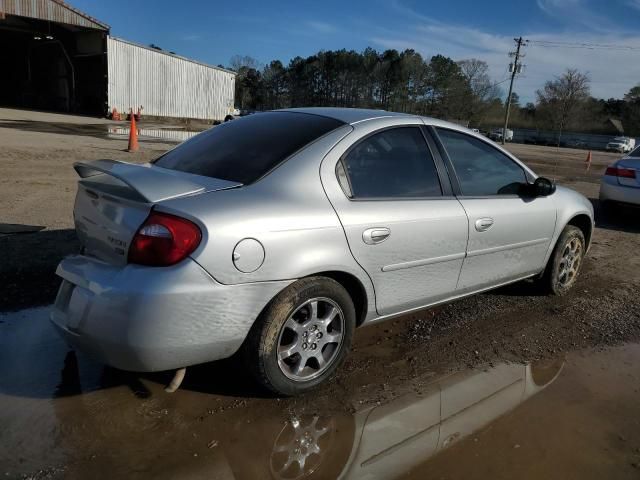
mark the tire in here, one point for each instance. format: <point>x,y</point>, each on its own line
<point>566,260</point>
<point>286,336</point>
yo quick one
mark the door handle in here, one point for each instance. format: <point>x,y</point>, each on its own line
<point>484,224</point>
<point>372,236</point>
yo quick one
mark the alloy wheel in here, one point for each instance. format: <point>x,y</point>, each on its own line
<point>298,451</point>
<point>310,339</point>
<point>570,262</point>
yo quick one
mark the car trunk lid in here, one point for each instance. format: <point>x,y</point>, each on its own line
<point>114,198</point>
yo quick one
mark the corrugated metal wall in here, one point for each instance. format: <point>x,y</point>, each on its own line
<point>166,85</point>
<point>51,10</point>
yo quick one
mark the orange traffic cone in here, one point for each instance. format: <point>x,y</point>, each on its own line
<point>133,135</point>
<point>587,162</point>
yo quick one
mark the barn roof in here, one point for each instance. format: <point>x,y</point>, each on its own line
<point>51,11</point>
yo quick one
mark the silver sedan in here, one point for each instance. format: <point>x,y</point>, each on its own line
<point>281,232</point>
<point>621,181</point>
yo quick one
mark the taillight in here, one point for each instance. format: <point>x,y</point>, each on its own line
<point>620,172</point>
<point>163,240</point>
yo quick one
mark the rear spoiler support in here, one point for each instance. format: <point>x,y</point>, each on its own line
<point>153,185</point>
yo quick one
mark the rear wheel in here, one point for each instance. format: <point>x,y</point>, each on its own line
<point>302,336</point>
<point>566,260</point>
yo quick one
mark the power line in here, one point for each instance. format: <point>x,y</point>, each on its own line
<point>501,81</point>
<point>585,45</point>
<point>489,87</point>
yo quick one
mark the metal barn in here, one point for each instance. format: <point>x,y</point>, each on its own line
<point>58,58</point>
<point>165,84</point>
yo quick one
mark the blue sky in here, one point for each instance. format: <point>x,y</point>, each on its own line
<point>212,32</point>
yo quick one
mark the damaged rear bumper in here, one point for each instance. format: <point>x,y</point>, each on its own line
<point>147,319</point>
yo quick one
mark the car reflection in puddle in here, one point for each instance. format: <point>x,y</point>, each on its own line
<point>390,439</point>
<point>73,414</point>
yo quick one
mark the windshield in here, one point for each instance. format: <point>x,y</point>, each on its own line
<point>244,150</point>
<point>635,152</point>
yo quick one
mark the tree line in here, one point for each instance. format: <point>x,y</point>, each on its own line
<point>390,80</point>
<point>438,86</point>
<point>565,104</point>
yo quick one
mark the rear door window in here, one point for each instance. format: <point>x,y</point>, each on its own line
<point>246,149</point>
<point>395,163</point>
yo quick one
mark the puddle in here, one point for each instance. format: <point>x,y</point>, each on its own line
<point>167,134</point>
<point>100,130</point>
<point>69,417</point>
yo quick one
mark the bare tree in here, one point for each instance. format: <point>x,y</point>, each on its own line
<point>477,74</point>
<point>482,87</point>
<point>248,84</point>
<point>561,97</point>
<point>238,62</point>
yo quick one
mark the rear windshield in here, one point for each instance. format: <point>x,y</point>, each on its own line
<point>635,153</point>
<point>245,149</point>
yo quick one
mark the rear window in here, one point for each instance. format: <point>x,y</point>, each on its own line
<point>245,149</point>
<point>635,153</point>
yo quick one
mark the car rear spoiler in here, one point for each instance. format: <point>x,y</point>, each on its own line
<point>153,184</point>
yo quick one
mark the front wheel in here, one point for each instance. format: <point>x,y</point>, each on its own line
<point>566,260</point>
<point>302,336</point>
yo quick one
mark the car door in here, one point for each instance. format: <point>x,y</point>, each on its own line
<point>401,220</point>
<point>472,400</point>
<point>509,232</point>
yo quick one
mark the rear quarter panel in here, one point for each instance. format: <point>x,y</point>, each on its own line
<point>287,211</point>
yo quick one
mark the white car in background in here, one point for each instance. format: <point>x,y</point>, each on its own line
<point>621,181</point>
<point>496,135</point>
<point>621,145</point>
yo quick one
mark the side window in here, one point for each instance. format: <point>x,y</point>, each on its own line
<point>480,168</point>
<point>394,163</point>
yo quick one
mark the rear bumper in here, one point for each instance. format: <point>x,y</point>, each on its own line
<point>611,190</point>
<point>154,318</point>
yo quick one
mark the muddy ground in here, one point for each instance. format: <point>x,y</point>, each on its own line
<point>518,323</point>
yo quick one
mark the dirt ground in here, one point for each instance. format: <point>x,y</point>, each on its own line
<point>518,323</point>
<point>38,187</point>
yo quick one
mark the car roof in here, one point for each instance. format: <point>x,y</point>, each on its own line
<point>351,116</point>
<point>348,115</point>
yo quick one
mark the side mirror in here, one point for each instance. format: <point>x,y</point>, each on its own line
<point>543,187</point>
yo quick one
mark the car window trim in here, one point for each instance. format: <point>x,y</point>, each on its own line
<point>452,171</point>
<point>388,199</point>
<point>455,183</point>
<point>400,199</point>
<point>489,197</point>
<point>339,164</point>
<point>443,174</point>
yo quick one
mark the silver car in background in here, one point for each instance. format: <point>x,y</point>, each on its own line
<point>621,182</point>
<point>279,233</point>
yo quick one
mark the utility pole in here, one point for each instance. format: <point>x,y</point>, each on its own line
<point>515,67</point>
